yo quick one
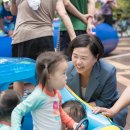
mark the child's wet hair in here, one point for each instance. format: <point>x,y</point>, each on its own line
<point>9,99</point>
<point>75,110</point>
<point>46,63</point>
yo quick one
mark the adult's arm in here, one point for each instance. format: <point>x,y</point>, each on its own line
<point>91,10</point>
<point>91,7</point>
<point>66,20</point>
<point>86,18</point>
<point>13,7</point>
<point>73,10</point>
<point>121,103</point>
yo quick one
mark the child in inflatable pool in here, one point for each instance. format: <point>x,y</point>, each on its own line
<point>8,101</point>
<point>45,101</point>
<point>75,110</point>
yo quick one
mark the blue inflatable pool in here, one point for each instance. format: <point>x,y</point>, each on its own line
<point>5,46</point>
<point>16,69</point>
<point>23,69</point>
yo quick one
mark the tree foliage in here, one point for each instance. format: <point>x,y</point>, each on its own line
<point>123,8</point>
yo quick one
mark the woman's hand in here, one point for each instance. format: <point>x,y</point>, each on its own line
<point>105,111</point>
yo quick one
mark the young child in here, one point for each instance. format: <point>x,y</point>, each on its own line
<point>75,110</point>
<point>8,101</point>
<point>45,101</point>
<point>7,20</point>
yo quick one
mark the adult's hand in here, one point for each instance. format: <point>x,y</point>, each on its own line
<point>105,111</point>
<point>90,25</point>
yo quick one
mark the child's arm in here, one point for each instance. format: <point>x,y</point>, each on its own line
<point>34,101</point>
<point>68,121</point>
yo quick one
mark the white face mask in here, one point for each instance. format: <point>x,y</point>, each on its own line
<point>34,4</point>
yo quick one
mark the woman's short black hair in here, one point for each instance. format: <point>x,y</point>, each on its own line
<point>88,40</point>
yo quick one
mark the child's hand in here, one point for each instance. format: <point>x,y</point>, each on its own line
<point>80,128</point>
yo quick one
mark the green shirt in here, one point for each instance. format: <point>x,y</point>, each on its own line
<point>81,5</point>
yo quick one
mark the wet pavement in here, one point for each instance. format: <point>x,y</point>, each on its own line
<point>120,58</point>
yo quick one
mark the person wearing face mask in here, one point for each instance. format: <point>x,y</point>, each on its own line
<point>91,78</point>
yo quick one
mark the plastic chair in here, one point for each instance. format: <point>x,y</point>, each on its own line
<point>5,46</point>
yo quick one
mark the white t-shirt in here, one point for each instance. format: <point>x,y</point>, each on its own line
<point>34,4</point>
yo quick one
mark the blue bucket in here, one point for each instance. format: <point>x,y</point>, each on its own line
<point>5,46</point>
